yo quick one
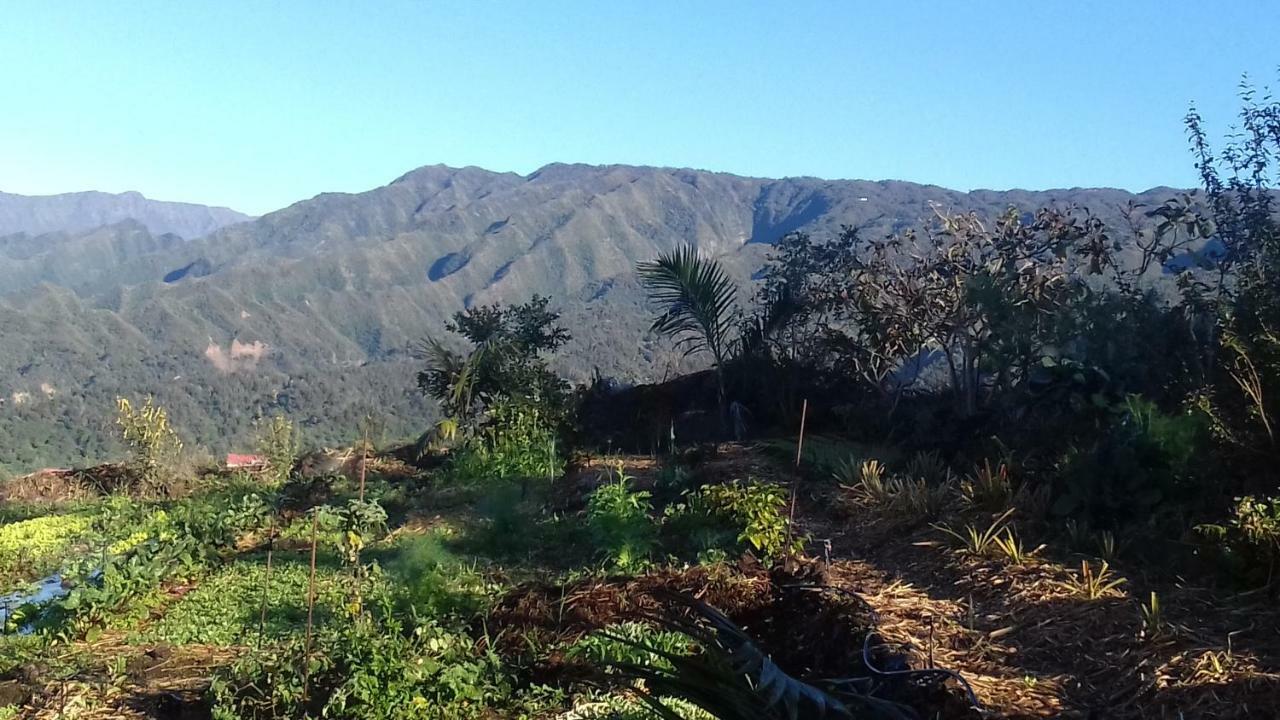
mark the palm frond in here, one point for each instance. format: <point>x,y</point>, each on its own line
<point>697,298</point>
<point>773,316</point>
<point>731,678</point>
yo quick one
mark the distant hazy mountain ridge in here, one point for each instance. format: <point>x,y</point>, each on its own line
<point>81,211</point>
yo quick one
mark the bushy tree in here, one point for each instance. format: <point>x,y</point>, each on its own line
<point>500,397</point>
<point>156,447</point>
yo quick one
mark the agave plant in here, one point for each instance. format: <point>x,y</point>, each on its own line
<point>731,678</point>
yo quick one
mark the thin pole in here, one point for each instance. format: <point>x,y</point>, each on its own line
<point>804,411</point>
<point>791,515</point>
<point>311,606</point>
<point>364,459</point>
<point>266,580</point>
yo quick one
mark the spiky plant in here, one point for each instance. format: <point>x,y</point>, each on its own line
<point>974,541</point>
<point>698,303</point>
<point>1094,585</point>
<point>730,678</point>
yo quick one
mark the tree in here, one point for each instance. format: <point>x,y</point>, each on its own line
<point>505,362</point>
<point>698,302</point>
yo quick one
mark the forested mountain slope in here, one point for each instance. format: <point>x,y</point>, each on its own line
<point>315,309</point>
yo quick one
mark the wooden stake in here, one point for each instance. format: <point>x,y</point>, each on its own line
<point>266,580</point>
<point>364,460</point>
<point>791,515</point>
<point>804,411</point>
<point>311,605</point>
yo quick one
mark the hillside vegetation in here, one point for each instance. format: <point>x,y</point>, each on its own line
<point>1018,466</point>
<point>337,291</point>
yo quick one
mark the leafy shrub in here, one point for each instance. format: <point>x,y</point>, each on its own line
<point>1251,538</point>
<point>618,518</point>
<point>278,443</point>
<point>1143,460</point>
<point>156,447</point>
<point>755,511</point>
<point>515,441</point>
<point>504,366</point>
<point>435,583</point>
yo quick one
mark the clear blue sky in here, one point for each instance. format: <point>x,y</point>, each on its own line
<point>257,104</point>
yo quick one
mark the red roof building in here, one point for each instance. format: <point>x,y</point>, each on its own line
<point>235,461</point>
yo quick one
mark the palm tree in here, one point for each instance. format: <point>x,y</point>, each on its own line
<point>698,301</point>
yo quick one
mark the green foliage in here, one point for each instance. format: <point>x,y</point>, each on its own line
<point>504,367</point>
<point>156,447</point>
<point>366,669</point>
<point>983,542</point>
<point>929,467</point>
<point>1250,539</point>
<point>1143,460</point>
<point>437,584</point>
<point>1153,623</point>
<point>697,300</point>
<point>515,441</point>
<point>226,607</point>
<point>620,524</point>
<point>754,511</point>
<point>146,548</point>
<point>629,643</point>
<point>278,442</point>
<point>912,498</point>
<point>988,488</point>
<point>1095,584</point>
<point>35,547</point>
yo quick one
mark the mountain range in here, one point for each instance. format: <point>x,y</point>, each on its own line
<point>315,310</point>
<point>81,211</point>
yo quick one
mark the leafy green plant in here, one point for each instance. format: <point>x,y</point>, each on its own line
<point>504,366</point>
<point>928,466</point>
<point>366,669</point>
<point>278,442</point>
<point>1251,537</point>
<point>35,547</point>
<point>866,481</point>
<point>359,522</point>
<point>628,642</point>
<point>620,524</point>
<point>754,510</point>
<point>226,607</point>
<point>156,447</point>
<point>1143,460</point>
<point>919,499</point>
<point>1107,546</point>
<point>434,583</point>
<point>514,441</point>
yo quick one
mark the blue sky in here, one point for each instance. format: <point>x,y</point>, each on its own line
<point>259,104</point>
